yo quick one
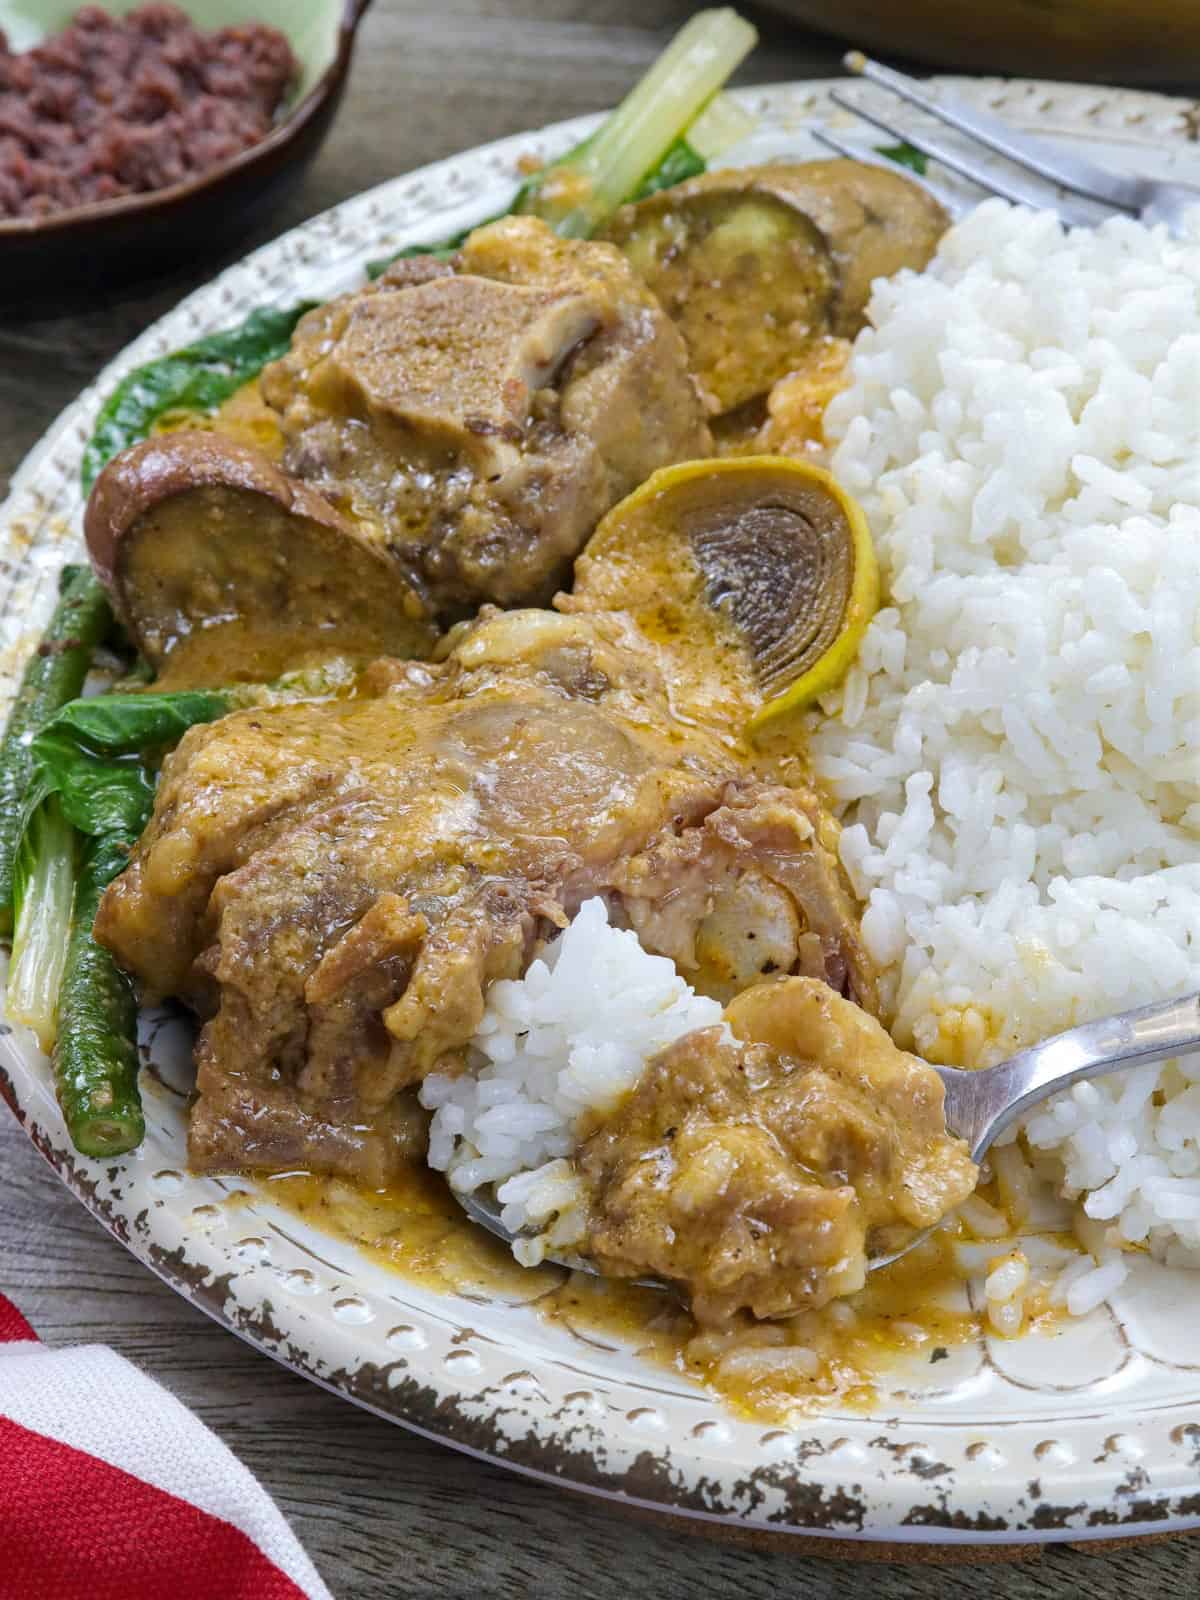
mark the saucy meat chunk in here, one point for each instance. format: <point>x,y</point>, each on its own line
<point>486,413</point>
<point>753,1166</point>
<point>333,885</point>
<point>451,434</point>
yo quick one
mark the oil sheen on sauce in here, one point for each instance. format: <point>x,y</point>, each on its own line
<point>909,1314</point>
<point>913,1311</point>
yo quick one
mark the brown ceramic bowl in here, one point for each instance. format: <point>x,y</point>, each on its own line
<point>133,235</point>
<point>1114,41</point>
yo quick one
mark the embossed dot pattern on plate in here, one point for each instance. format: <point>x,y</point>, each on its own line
<point>462,1363</point>
<point>351,1309</point>
<point>405,1337</point>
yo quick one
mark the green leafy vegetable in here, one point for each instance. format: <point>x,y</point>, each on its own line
<point>127,724</point>
<point>197,378</point>
<point>96,755</point>
<point>904,156</point>
<point>90,794</point>
<point>53,675</point>
<point>679,164</point>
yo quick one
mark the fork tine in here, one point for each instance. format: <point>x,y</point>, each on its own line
<point>1019,194</point>
<point>1068,170</point>
<point>841,146</point>
<point>870,158</point>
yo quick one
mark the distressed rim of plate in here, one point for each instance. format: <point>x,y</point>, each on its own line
<point>633,1433</point>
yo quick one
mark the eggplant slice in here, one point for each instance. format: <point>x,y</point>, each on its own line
<point>209,550</point>
<point>876,221</point>
<point>748,278</point>
<point>757,263</point>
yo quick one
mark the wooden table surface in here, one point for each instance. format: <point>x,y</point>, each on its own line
<point>384,1513</point>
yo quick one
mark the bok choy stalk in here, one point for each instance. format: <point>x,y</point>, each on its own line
<point>722,124</point>
<point>43,888</point>
<point>666,130</point>
<point>53,675</point>
<point>578,194</point>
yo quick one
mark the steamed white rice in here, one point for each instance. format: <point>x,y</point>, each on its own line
<point>565,1042</point>
<point>1016,750</point>
<point>1014,753</point>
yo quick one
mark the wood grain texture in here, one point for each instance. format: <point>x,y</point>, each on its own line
<point>384,1513</point>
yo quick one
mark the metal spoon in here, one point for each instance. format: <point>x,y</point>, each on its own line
<point>981,1105</point>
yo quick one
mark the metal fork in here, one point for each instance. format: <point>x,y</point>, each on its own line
<point>1148,199</point>
<point>981,1105</point>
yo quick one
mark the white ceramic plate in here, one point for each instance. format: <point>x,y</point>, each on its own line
<point>1089,1434</point>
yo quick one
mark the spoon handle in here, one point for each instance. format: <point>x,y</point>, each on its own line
<point>980,1105</point>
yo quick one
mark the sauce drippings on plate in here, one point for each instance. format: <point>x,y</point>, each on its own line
<point>913,1313</point>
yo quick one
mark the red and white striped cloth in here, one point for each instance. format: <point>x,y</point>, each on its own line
<point>110,1489</point>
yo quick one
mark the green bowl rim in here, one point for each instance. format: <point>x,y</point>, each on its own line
<point>79,218</point>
